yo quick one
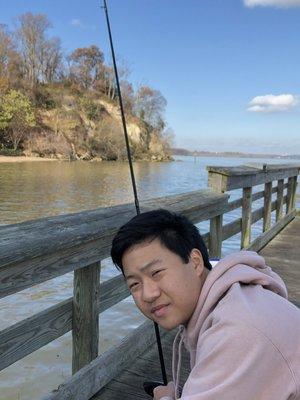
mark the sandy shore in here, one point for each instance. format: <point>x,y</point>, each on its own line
<point>5,159</point>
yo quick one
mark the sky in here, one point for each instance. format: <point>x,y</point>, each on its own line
<point>229,69</point>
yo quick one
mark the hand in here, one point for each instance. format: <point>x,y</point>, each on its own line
<point>161,391</point>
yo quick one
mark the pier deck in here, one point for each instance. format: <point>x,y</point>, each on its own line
<point>282,254</point>
<point>129,384</point>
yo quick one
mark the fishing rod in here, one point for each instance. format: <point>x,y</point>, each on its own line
<point>136,200</point>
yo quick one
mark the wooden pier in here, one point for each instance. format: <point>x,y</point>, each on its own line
<point>36,251</point>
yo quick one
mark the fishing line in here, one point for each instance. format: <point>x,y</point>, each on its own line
<point>136,200</point>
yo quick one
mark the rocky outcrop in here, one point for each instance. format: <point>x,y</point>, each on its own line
<point>86,128</point>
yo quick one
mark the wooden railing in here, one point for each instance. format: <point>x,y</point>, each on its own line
<point>36,251</point>
<point>225,179</point>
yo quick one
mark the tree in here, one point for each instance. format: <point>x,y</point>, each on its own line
<point>107,83</point>
<point>51,59</point>
<point>127,95</point>
<point>9,60</point>
<point>150,106</point>
<point>16,116</point>
<point>168,140</point>
<point>86,65</point>
<point>41,58</point>
<point>110,82</point>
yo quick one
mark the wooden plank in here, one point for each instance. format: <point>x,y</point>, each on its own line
<point>262,240</point>
<point>85,326</point>
<point>267,206</point>
<point>94,376</point>
<point>279,205</point>
<point>244,170</point>
<point>129,384</point>
<point>232,228</point>
<point>233,205</point>
<point>215,237</point>
<point>235,226</point>
<point>35,251</point>
<point>112,292</point>
<point>282,255</point>
<point>260,195</point>
<point>239,177</point>
<point>29,335</point>
<point>246,217</point>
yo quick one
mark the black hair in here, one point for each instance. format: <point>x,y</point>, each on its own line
<point>174,231</point>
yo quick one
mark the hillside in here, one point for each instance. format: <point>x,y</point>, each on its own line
<point>66,106</point>
<point>87,126</point>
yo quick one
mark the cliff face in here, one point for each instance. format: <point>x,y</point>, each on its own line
<point>80,127</point>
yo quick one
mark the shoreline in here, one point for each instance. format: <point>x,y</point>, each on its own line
<point>15,159</point>
<point>18,159</point>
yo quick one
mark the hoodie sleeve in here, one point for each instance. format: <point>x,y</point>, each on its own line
<point>235,361</point>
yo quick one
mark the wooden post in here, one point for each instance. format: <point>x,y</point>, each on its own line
<point>289,197</point>
<point>85,315</point>
<point>279,203</point>
<point>217,182</point>
<point>246,217</point>
<point>295,178</point>
<point>267,206</point>
<point>215,241</point>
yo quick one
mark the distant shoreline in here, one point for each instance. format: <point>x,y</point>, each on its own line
<point>228,154</point>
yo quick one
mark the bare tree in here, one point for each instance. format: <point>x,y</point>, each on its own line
<point>51,59</point>
<point>109,80</point>
<point>9,60</point>
<point>168,140</point>
<point>150,106</point>
<point>41,57</point>
<point>127,95</point>
<point>86,65</point>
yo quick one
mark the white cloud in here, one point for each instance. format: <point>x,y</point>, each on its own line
<point>272,103</point>
<point>275,3</point>
<point>79,24</point>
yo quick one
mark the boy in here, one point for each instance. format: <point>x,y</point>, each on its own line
<point>242,334</point>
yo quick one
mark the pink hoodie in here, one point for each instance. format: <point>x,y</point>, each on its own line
<point>244,336</point>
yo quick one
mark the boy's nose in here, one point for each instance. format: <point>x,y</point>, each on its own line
<point>151,291</point>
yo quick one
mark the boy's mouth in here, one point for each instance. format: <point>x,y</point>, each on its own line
<point>159,310</point>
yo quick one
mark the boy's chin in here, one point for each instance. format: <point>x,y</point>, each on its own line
<point>165,325</point>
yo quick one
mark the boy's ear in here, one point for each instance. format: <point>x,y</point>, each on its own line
<point>197,260</point>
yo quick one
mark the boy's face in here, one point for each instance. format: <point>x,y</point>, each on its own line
<point>163,287</point>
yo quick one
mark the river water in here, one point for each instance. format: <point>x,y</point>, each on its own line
<point>33,190</point>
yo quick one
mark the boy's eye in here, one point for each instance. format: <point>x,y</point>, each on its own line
<point>133,285</point>
<point>156,272</point>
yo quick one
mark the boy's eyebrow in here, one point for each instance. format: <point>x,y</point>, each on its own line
<point>145,267</point>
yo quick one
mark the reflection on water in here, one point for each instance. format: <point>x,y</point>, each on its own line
<point>34,190</point>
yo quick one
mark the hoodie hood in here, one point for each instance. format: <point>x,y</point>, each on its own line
<point>238,336</point>
<point>245,267</point>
